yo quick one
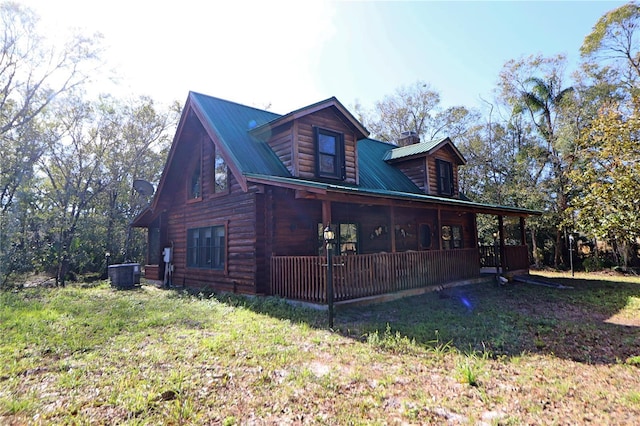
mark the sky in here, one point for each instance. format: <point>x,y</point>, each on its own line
<point>286,55</point>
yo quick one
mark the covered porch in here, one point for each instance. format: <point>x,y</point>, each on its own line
<point>358,276</point>
<point>419,247</point>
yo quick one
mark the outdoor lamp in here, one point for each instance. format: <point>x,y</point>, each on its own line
<point>329,235</point>
<point>107,257</point>
<point>571,240</point>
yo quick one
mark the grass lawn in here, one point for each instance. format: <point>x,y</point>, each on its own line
<point>481,354</point>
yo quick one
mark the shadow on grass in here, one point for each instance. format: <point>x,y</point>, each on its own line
<point>596,322</point>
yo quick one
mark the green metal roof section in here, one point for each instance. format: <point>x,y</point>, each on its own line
<point>420,148</point>
<point>302,183</point>
<point>332,101</point>
<point>232,122</point>
<point>410,150</point>
<point>378,174</point>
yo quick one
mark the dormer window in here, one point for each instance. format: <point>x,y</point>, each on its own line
<point>445,177</point>
<point>329,154</point>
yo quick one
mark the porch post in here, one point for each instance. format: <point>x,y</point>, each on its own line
<point>523,234</point>
<point>475,230</point>
<point>438,230</point>
<point>392,229</point>
<point>501,236</point>
<point>326,213</point>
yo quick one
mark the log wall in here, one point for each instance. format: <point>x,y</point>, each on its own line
<point>416,170</point>
<point>232,208</point>
<point>327,119</point>
<point>445,154</point>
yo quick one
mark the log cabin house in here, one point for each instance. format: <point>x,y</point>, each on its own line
<point>245,195</point>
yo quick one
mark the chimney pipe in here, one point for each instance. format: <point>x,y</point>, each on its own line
<point>409,137</point>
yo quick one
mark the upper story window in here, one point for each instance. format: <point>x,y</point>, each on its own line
<point>445,177</point>
<point>221,177</point>
<point>329,154</point>
<point>195,183</point>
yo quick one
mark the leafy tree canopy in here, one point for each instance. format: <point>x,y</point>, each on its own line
<point>609,176</point>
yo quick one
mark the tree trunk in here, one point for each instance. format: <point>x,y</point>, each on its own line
<point>558,258</point>
<point>534,248</point>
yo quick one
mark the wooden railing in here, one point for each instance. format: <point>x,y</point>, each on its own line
<point>304,277</point>
<point>516,257</point>
<point>489,256</point>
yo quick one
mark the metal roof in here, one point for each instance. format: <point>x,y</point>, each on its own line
<point>232,122</point>
<point>421,148</point>
<point>382,193</point>
<point>375,173</point>
<point>309,109</point>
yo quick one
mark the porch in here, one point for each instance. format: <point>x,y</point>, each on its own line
<point>304,278</point>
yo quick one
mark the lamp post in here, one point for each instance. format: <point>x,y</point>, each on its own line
<point>571,253</point>
<point>329,237</point>
<point>107,257</point>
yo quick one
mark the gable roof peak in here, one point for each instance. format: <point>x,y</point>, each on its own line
<point>310,109</point>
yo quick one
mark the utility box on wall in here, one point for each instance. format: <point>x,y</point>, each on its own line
<point>125,275</point>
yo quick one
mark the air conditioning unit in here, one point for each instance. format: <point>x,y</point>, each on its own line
<point>125,275</point>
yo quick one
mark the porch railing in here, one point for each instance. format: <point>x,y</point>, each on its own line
<point>516,257</point>
<point>304,277</point>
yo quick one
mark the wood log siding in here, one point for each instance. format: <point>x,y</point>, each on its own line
<point>327,119</point>
<point>281,142</point>
<point>304,277</point>
<point>446,155</point>
<point>237,210</point>
<point>415,170</point>
<point>152,272</point>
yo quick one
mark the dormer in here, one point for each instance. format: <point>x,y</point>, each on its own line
<point>317,142</point>
<point>431,166</point>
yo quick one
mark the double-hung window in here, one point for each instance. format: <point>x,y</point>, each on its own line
<point>206,247</point>
<point>445,177</point>
<point>329,154</point>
